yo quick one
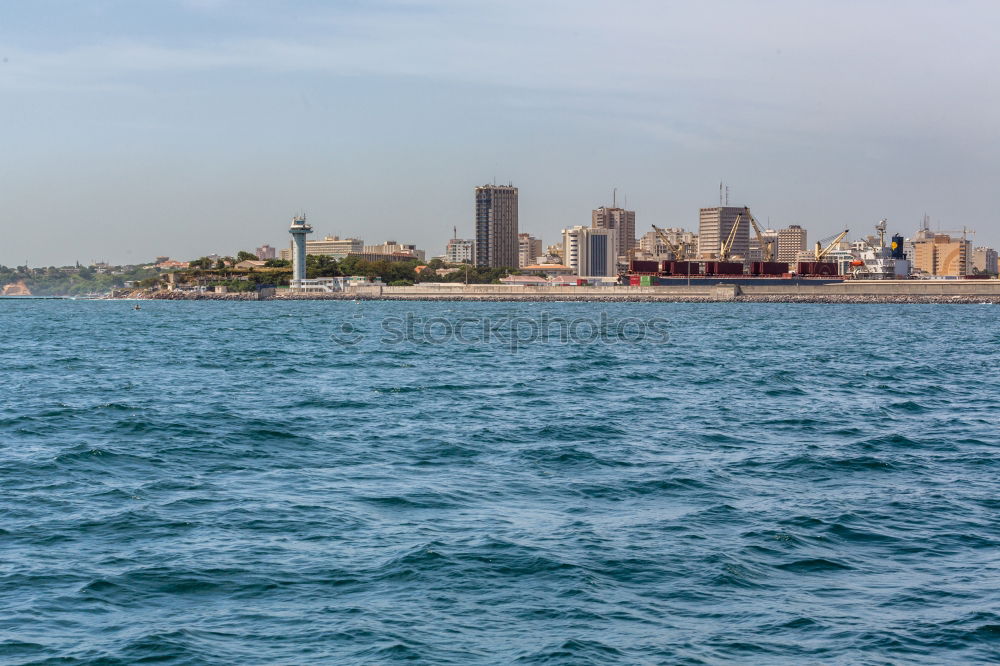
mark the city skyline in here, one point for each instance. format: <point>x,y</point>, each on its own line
<point>175,128</point>
<point>281,250</point>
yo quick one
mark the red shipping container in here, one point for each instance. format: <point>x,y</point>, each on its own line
<point>774,267</point>
<point>825,268</point>
<point>768,268</point>
<point>729,268</point>
<point>640,266</point>
<point>684,267</point>
<point>817,268</point>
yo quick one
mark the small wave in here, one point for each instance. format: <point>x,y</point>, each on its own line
<point>777,392</point>
<point>334,404</point>
<point>428,500</point>
<point>100,456</point>
<point>907,407</point>
<point>801,624</point>
<point>574,651</point>
<point>630,488</point>
<point>815,565</point>
<point>12,648</point>
<point>569,455</point>
<point>828,463</point>
<point>845,533</point>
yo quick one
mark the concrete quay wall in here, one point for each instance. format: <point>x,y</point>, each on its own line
<point>840,292</point>
<point>893,291</point>
<point>881,288</point>
<point>509,291</point>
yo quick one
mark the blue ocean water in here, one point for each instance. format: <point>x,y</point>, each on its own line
<point>209,483</point>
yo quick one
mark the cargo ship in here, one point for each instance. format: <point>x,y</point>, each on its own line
<point>879,262</point>
<point>648,273</point>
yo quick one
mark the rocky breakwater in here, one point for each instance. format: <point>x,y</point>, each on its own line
<point>883,299</point>
<point>681,298</point>
<point>184,295</point>
<point>338,296</point>
<point>204,296</point>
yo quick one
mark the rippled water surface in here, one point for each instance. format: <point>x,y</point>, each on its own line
<point>223,483</point>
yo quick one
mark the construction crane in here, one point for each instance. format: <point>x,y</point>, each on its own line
<point>766,244</point>
<point>727,247</point>
<point>823,251</point>
<point>965,231</point>
<point>679,251</point>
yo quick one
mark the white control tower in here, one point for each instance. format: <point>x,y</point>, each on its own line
<point>298,230</point>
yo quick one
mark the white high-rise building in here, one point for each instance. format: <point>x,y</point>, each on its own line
<point>460,251</point>
<point>591,252</point>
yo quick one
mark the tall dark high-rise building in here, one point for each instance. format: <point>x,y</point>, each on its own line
<point>496,226</point>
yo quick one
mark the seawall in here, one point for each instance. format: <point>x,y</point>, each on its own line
<point>895,291</point>
<point>915,291</point>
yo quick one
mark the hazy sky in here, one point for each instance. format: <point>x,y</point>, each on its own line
<point>138,128</point>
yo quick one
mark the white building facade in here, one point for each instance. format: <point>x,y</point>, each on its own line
<point>591,252</point>
<point>460,251</point>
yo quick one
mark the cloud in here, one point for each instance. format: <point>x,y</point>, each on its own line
<point>827,96</point>
<point>800,66</point>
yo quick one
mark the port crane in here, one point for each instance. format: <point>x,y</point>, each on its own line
<point>679,251</point>
<point>766,244</point>
<point>727,246</point>
<point>823,251</point>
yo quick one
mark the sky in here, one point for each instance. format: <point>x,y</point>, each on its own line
<point>139,128</point>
